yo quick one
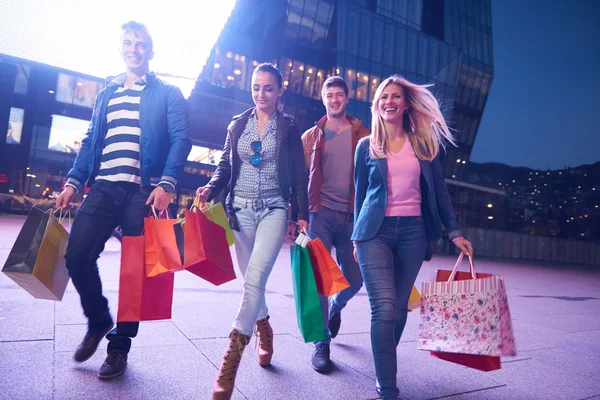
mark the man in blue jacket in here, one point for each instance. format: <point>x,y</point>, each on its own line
<point>134,152</point>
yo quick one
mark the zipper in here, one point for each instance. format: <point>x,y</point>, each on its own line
<point>97,127</point>
<point>141,130</point>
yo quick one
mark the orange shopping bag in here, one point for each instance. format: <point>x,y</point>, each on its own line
<point>142,298</point>
<point>160,245</point>
<point>330,279</point>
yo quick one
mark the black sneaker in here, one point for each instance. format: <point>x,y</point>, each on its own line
<point>90,342</point>
<point>320,358</point>
<point>335,320</point>
<point>113,366</point>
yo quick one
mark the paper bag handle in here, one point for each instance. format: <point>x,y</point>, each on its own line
<point>457,266</point>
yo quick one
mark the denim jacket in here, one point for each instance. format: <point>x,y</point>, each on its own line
<point>164,141</point>
<point>370,179</point>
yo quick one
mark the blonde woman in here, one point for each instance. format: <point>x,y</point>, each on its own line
<point>401,202</point>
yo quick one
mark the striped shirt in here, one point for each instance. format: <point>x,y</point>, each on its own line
<point>120,160</point>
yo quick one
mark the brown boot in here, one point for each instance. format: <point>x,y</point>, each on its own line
<point>264,332</point>
<point>223,388</point>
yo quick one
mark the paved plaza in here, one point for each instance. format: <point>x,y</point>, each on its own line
<point>555,308</point>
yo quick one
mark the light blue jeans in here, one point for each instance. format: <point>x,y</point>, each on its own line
<point>263,226</point>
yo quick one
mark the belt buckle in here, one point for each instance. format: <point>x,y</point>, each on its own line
<point>257,204</point>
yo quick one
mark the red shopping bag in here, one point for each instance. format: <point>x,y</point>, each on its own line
<point>206,251</point>
<point>142,298</point>
<point>161,251</point>
<point>330,279</point>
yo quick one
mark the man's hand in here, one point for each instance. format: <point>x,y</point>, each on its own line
<point>64,200</point>
<point>159,198</point>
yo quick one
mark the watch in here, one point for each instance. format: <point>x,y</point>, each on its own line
<point>167,187</point>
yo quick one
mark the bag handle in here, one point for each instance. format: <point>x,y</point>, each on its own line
<point>200,204</point>
<point>62,217</point>
<point>161,213</point>
<point>457,265</point>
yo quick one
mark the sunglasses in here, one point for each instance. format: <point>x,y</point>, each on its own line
<point>255,158</point>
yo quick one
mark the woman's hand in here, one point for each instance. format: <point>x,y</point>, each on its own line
<point>301,226</point>
<point>204,192</point>
<point>464,245</point>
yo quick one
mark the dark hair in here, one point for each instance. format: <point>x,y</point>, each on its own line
<point>335,81</point>
<point>136,27</point>
<point>270,68</point>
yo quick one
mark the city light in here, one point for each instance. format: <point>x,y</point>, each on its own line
<point>490,217</point>
<point>183,34</point>
<point>490,205</point>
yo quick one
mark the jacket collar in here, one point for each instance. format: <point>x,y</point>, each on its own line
<point>239,121</point>
<point>355,122</point>
<point>118,80</point>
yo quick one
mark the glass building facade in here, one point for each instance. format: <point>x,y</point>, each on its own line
<point>446,43</point>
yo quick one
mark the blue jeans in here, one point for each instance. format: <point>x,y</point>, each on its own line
<point>107,205</point>
<point>390,263</point>
<point>334,228</point>
<point>263,225</point>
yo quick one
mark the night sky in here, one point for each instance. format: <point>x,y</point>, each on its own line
<point>543,109</point>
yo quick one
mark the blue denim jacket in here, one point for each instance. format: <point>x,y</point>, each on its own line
<point>370,180</point>
<point>164,142</point>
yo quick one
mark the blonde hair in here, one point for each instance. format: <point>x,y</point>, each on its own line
<point>423,121</point>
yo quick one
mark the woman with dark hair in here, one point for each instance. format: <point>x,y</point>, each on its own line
<point>263,169</point>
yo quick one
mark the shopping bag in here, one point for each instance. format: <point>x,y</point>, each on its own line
<point>328,276</point>
<point>308,304</point>
<point>206,252</point>
<point>414,301</point>
<point>142,298</point>
<point>216,213</point>
<point>160,250</point>
<point>466,314</point>
<point>36,261</point>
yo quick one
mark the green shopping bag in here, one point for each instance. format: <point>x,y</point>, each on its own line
<point>308,305</point>
<point>215,213</point>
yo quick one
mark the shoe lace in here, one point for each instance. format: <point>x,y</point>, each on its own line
<point>89,338</point>
<point>263,334</point>
<point>115,357</point>
<point>322,348</point>
<point>231,361</point>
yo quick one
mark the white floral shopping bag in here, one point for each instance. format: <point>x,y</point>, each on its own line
<point>466,313</point>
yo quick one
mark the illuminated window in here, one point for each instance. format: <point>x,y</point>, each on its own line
<point>296,77</point>
<point>77,91</point>
<point>15,126</point>
<point>350,81</point>
<point>375,81</point>
<point>362,86</point>
<point>204,155</point>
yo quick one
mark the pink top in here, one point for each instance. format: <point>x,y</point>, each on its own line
<point>403,183</point>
